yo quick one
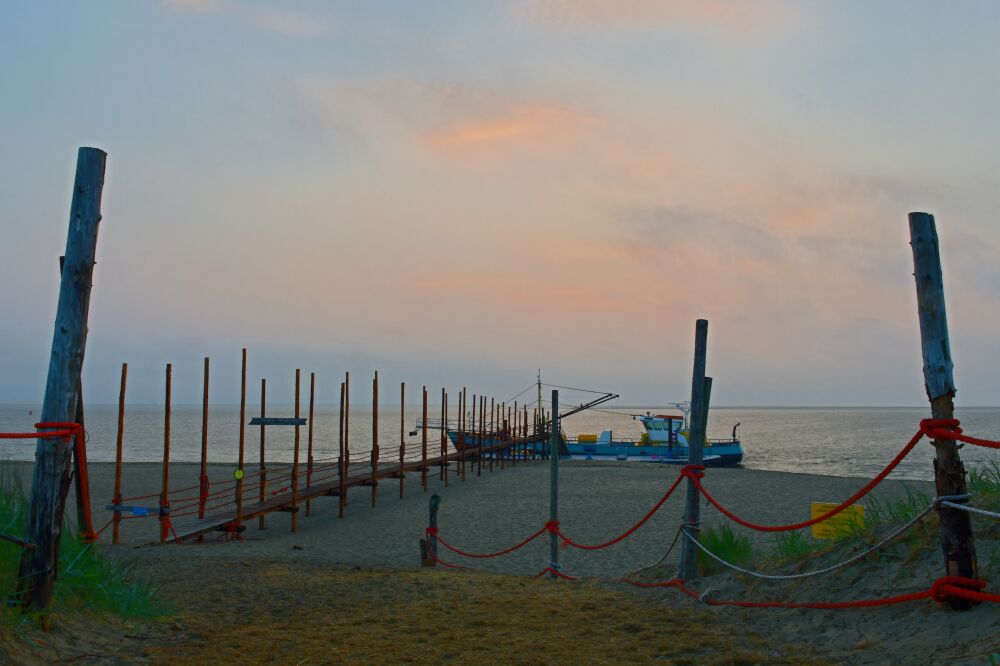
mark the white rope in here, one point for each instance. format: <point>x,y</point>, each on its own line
<point>834,567</point>
<point>971,509</point>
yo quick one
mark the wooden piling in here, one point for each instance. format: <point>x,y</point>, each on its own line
<point>309,446</point>
<point>51,476</point>
<point>463,406</point>
<point>435,504</point>
<point>949,472</point>
<point>203,475</point>
<point>423,444</point>
<point>347,438</point>
<point>165,488</point>
<point>402,434</point>
<point>243,425</point>
<point>117,500</point>
<point>262,495</point>
<point>444,437</point>
<point>554,485</point>
<point>341,461</point>
<point>375,449</point>
<point>295,455</point>
<point>696,443</point>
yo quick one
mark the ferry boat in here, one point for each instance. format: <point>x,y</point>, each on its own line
<point>665,441</point>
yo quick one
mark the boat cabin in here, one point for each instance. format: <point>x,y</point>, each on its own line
<point>663,428</point>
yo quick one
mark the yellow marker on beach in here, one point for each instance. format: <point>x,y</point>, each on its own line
<point>842,523</point>
<point>238,474</point>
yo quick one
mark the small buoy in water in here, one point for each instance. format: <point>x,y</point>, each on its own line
<point>29,412</point>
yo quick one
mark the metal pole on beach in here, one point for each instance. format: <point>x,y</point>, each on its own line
<point>696,442</point>
<point>554,484</point>
<point>949,472</point>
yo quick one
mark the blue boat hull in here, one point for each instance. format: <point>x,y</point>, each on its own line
<point>716,455</point>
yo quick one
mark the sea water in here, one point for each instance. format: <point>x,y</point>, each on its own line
<point>841,441</point>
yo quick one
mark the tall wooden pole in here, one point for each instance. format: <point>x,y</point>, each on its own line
<point>347,438</point>
<point>949,472</point>
<point>554,483</point>
<point>203,474</point>
<point>696,443</point>
<point>341,460</point>
<point>402,434</point>
<point>375,450</point>
<point>309,446</point>
<point>295,455</point>
<point>51,478</point>
<point>117,500</point>
<point>262,495</point>
<point>243,425</point>
<point>444,437</point>
<point>165,488</point>
<point>423,444</point>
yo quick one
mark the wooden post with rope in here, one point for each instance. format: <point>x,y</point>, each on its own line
<point>374,456</point>
<point>203,470</point>
<point>119,441</point>
<point>444,437</point>
<point>262,495</point>
<point>341,460</point>
<point>243,425</point>
<point>696,443</point>
<point>402,434</point>
<point>165,489</point>
<point>554,485</point>
<point>295,455</point>
<point>309,446</point>
<point>949,472</point>
<point>51,478</point>
<point>423,444</point>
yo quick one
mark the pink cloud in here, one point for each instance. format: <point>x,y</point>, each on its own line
<point>532,122</point>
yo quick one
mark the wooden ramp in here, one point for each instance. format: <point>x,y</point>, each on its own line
<point>360,475</point>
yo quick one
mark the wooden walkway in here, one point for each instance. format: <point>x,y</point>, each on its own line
<point>360,474</point>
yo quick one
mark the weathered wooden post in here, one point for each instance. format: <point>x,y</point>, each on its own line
<point>696,443</point>
<point>402,434</point>
<point>295,455</point>
<point>554,484</point>
<point>375,451</point>
<point>429,546</point>
<point>341,462</point>
<point>240,463</point>
<point>51,479</point>
<point>444,437</point>
<point>309,446</point>
<point>423,444</point>
<point>165,489</point>
<point>262,495</point>
<point>203,474</point>
<point>949,472</point>
<point>345,412</point>
<point>116,519</point>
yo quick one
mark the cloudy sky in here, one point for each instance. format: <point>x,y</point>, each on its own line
<point>462,192</point>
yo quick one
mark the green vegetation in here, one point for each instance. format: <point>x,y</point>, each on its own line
<point>87,581</point>
<point>725,543</point>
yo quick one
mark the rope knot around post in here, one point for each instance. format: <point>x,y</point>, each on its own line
<point>693,471</point>
<point>63,429</point>
<point>432,531</point>
<point>941,593</point>
<point>552,526</point>
<point>940,428</point>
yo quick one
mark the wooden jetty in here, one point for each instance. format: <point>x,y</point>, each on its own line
<point>500,436</point>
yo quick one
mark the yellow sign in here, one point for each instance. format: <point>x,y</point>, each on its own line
<point>845,522</point>
<point>238,474</point>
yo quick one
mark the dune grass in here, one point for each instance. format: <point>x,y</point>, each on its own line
<point>87,581</point>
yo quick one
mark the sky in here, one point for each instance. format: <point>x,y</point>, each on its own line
<point>461,193</point>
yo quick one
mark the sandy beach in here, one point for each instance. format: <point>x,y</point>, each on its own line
<point>597,502</point>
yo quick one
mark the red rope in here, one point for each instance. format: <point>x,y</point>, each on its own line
<point>433,531</point>
<point>941,590</point>
<point>950,429</point>
<point>696,474</point>
<point>63,430</point>
<point>632,529</point>
<point>554,572</point>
